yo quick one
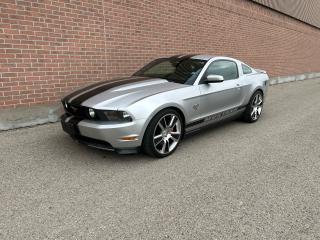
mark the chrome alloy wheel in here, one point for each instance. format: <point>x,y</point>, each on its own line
<point>256,107</point>
<point>167,133</point>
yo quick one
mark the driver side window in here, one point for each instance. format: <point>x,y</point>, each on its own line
<point>227,69</point>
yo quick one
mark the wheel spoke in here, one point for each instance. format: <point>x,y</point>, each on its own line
<point>158,142</point>
<point>172,121</point>
<point>163,149</point>
<point>259,111</point>
<point>168,145</point>
<point>175,139</point>
<point>161,126</point>
<point>254,113</point>
<point>158,136</point>
<point>175,133</point>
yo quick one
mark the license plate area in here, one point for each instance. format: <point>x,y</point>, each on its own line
<point>70,127</point>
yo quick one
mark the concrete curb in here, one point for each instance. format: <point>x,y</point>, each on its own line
<point>28,117</point>
<point>38,115</point>
<point>300,77</point>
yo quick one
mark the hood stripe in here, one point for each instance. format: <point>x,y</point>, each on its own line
<point>85,94</point>
<point>77,92</point>
<point>80,91</point>
<point>90,88</point>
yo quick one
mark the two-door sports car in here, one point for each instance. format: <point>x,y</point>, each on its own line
<point>157,105</point>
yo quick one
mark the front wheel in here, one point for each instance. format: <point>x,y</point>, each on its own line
<point>254,108</point>
<point>163,134</point>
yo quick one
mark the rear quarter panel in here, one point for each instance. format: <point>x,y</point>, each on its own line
<point>252,83</point>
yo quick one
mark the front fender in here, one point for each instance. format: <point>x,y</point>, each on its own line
<point>158,109</point>
<point>182,99</point>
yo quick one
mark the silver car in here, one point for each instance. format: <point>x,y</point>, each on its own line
<point>154,108</point>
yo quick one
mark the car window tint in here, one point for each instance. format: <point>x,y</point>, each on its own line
<point>246,69</point>
<point>178,70</point>
<point>225,68</point>
<point>163,68</point>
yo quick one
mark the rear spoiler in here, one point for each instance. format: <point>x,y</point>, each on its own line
<point>261,71</point>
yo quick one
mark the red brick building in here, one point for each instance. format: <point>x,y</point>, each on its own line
<point>49,47</point>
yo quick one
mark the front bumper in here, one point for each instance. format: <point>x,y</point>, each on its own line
<point>104,135</point>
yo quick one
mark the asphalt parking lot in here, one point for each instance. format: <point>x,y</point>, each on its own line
<point>232,181</point>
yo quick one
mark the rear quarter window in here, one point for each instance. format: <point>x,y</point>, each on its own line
<point>246,69</point>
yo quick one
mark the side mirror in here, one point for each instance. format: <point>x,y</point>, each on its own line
<point>214,78</point>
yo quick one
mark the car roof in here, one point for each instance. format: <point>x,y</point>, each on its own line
<point>203,57</point>
<point>200,57</point>
<point>193,56</point>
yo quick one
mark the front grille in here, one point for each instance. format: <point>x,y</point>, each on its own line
<point>83,112</point>
<point>78,111</point>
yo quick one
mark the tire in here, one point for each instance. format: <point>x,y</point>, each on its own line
<point>163,134</point>
<point>254,108</point>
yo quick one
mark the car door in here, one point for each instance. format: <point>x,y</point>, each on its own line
<point>220,97</point>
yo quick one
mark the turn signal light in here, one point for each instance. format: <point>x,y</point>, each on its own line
<point>129,138</point>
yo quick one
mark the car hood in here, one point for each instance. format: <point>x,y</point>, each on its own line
<point>120,93</point>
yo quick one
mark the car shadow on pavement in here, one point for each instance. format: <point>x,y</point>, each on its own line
<point>81,151</point>
<point>67,145</point>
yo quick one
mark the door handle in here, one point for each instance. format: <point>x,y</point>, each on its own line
<point>238,86</point>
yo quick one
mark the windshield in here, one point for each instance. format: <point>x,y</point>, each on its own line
<point>184,71</point>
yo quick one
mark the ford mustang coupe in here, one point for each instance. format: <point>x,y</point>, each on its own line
<point>157,105</point>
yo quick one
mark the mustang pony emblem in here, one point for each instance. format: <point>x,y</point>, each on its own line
<point>195,107</point>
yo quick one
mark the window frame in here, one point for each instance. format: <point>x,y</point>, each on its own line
<point>203,78</point>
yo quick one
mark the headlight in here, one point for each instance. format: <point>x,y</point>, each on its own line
<point>92,113</point>
<point>117,116</point>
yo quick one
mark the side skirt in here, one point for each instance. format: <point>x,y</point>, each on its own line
<point>213,119</point>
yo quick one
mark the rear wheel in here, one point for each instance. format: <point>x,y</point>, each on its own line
<point>163,134</point>
<point>254,108</point>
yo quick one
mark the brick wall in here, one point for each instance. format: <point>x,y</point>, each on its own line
<point>50,47</point>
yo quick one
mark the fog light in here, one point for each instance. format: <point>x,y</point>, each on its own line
<point>92,113</point>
